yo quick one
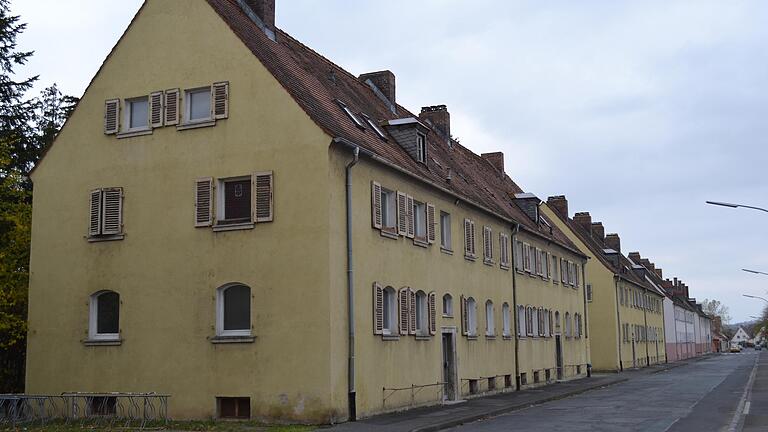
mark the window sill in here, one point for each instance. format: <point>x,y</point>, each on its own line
<point>113,237</point>
<point>196,125</point>
<point>447,316</point>
<point>445,250</point>
<point>423,337</point>
<point>421,242</point>
<point>470,258</point>
<point>519,271</point>
<point>233,227</point>
<point>488,262</point>
<point>232,339</point>
<point>390,337</point>
<point>389,234</point>
<point>134,133</point>
<point>490,337</point>
<point>102,342</point>
<point>503,267</point>
<point>507,337</point>
<point>471,337</point>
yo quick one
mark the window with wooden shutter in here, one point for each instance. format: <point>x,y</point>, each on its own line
<point>204,202</point>
<point>112,116</point>
<point>469,238</point>
<point>112,219</point>
<point>156,109</point>
<point>487,244</point>
<point>263,184</point>
<point>411,311</point>
<point>431,223</point>
<point>171,105</point>
<point>378,309</point>
<point>402,214</point>
<point>220,97</point>
<point>376,215</point>
<point>517,254</point>
<point>410,222</point>
<point>432,313</point>
<point>94,219</point>
<point>526,257</point>
<point>404,321</point>
<point>464,320</point>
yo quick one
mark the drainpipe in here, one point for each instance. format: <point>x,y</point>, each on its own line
<point>515,231</point>
<point>586,318</point>
<point>645,320</point>
<point>351,289</point>
<point>618,321</point>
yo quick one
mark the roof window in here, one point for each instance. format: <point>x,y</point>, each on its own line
<point>375,127</point>
<point>353,117</point>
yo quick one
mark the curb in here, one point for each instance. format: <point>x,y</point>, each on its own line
<point>487,414</point>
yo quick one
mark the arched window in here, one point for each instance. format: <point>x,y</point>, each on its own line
<point>521,321</point>
<point>422,314</point>
<point>390,311</point>
<point>567,324</point>
<point>471,317</point>
<point>233,310</point>
<point>557,322</point>
<point>505,320</point>
<point>104,322</point>
<point>447,305</point>
<point>490,323</point>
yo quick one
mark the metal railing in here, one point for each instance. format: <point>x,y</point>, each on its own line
<point>387,393</point>
<point>99,410</point>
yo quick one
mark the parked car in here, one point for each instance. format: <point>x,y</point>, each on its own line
<point>735,349</point>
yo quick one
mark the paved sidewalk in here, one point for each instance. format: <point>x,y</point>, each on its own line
<point>439,417</point>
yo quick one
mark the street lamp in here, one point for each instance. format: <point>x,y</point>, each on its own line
<point>755,297</point>
<point>755,272</point>
<point>732,205</point>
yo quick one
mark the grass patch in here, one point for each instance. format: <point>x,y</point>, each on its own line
<point>173,426</point>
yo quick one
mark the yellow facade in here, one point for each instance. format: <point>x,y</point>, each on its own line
<point>167,272</point>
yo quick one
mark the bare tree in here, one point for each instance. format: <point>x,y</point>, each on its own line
<point>716,308</point>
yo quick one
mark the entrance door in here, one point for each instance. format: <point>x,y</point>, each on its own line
<point>559,357</point>
<point>449,366</point>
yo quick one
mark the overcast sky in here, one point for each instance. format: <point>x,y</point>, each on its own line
<point>636,111</point>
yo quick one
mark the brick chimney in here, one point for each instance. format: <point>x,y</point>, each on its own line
<point>659,273</point>
<point>635,257</point>
<point>648,264</point>
<point>558,204</point>
<point>261,12</point>
<point>598,232</point>
<point>496,159</point>
<point>584,220</point>
<point>612,241</point>
<point>439,119</point>
<point>383,85</point>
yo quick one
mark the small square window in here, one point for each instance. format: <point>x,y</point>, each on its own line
<point>198,106</point>
<point>233,407</point>
<point>137,113</point>
<point>234,200</point>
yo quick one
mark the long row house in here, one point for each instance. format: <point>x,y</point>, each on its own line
<point>262,234</point>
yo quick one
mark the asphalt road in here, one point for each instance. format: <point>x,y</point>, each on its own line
<point>715,394</point>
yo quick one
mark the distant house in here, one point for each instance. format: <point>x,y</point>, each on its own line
<point>741,336</point>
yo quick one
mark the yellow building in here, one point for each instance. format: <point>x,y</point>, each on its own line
<point>626,317</point>
<point>230,218</point>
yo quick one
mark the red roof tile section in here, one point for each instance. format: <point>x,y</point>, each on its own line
<point>316,83</point>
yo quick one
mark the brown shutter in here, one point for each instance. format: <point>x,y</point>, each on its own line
<point>112,220</point>
<point>204,202</point>
<point>156,109</point>
<point>172,107</point>
<point>430,223</point>
<point>220,100</point>
<point>411,222</point>
<point>94,219</point>
<point>464,318</point>
<point>411,312</point>
<point>378,309</point>
<point>376,205</point>
<point>112,116</point>
<point>432,314</point>
<point>402,214</point>
<point>403,303</point>
<point>263,202</point>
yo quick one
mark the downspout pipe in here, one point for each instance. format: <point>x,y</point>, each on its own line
<point>587,343</point>
<point>351,289</point>
<point>515,231</point>
<point>618,321</point>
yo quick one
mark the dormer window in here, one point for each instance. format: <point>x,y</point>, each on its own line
<point>421,148</point>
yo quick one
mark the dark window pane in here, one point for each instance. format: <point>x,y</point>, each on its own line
<point>237,308</point>
<point>237,200</point>
<point>108,313</point>
<point>102,405</point>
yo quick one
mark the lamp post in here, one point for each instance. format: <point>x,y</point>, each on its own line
<point>732,205</point>
<point>754,271</point>
<point>755,297</point>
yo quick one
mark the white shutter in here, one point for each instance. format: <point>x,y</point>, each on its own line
<point>172,104</point>
<point>156,109</point>
<point>411,312</point>
<point>487,245</point>
<point>411,222</point>
<point>376,215</point>
<point>112,220</point>
<point>378,309</point>
<point>204,202</point>
<point>94,219</point>
<point>112,116</point>
<point>402,297</point>
<point>402,214</point>
<point>220,100</point>
<point>464,320</point>
<point>430,223</point>
<point>263,189</point>
<point>432,313</point>
<point>473,250</point>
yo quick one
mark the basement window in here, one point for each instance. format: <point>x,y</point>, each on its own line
<point>473,386</point>
<point>102,405</point>
<point>507,381</point>
<point>233,407</point>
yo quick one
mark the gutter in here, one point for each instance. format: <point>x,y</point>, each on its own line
<point>515,231</point>
<point>351,290</point>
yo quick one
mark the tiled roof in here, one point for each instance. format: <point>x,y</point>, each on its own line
<point>316,84</point>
